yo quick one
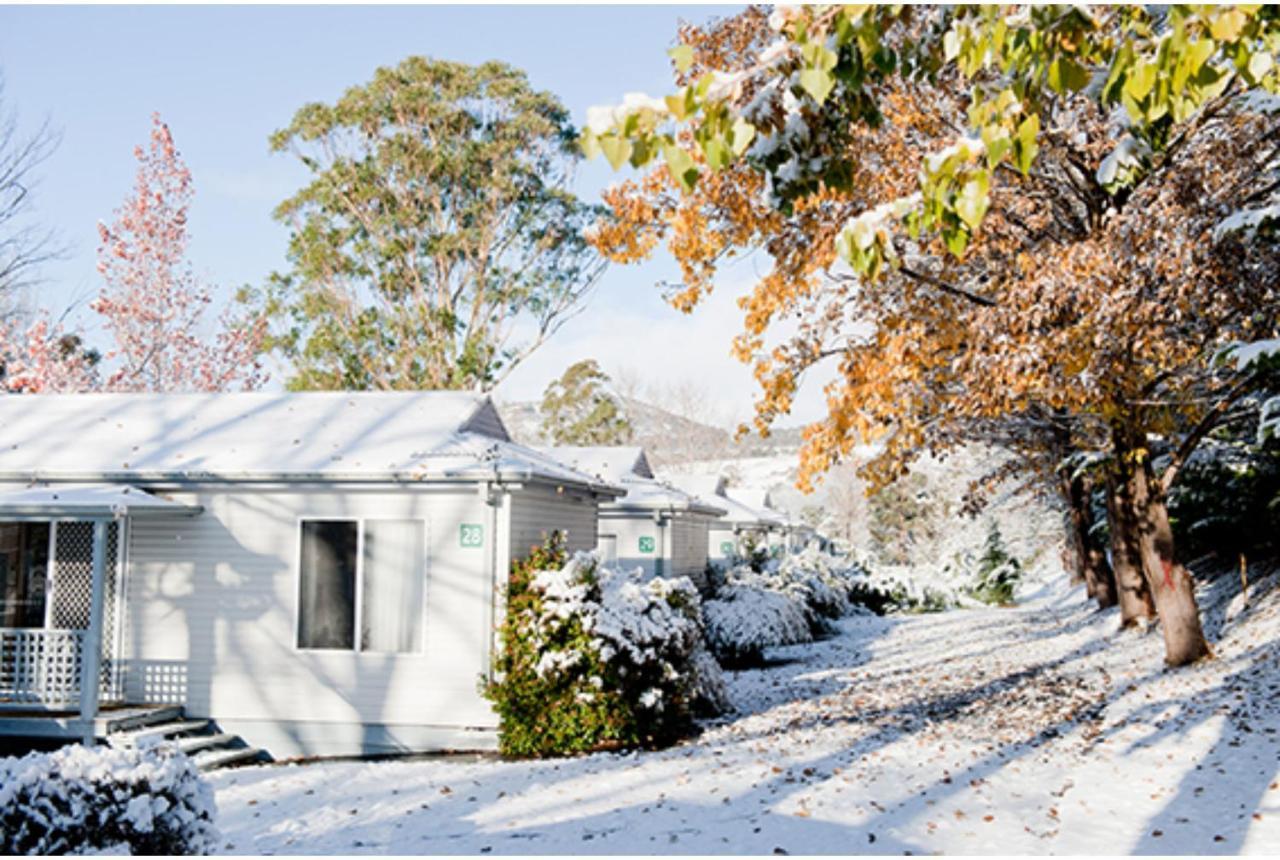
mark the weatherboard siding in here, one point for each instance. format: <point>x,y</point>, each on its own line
<point>211,621</point>
<point>537,512</point>
<point>689,548</point>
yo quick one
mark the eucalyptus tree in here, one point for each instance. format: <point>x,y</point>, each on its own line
<point>579,409</point>
<point>438,241</point>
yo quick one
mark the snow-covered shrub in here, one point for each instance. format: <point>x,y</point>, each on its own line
<point>897,588</point>
<point>595,658</point>
<point>711,697</point>
<point>786,601</point>
<point>742,620</point>
<point>81,800</point>
<point>826,582</point>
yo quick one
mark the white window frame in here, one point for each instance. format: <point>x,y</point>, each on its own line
<point>356,646</point>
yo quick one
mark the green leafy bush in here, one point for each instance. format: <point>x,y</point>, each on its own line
<point>1227,500</point>
<point>594,658</point>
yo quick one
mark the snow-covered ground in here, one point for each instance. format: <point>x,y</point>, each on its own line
<point>1030,730</point>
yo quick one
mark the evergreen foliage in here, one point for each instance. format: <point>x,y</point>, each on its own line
<point>596,659</point>
<point>578,409</point>
<point>438,242</point>
<point>998,571</point>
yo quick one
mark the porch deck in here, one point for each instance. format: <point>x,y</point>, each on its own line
<point>65,724</point>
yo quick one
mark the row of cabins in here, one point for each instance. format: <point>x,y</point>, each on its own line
<point>315,573</point>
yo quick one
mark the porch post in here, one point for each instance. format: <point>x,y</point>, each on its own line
<point>91,659</point>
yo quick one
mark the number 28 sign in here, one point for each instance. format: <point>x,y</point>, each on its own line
<point>471,535</point>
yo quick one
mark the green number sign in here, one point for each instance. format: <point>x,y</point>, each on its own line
<point>471,535</point>
<point>646,544</point>
<point>726,547</point>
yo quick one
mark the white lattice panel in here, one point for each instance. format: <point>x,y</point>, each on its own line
<point>40,665</point>
<point>73,588</point>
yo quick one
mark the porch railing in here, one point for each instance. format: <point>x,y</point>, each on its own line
<point>40,667</point>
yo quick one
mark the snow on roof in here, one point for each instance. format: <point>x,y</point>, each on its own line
<point>712,489</point>
<point>612,462</point>
<point>89,500</point>
<point>703,486</point>
<point>628,467</point>
<point>394,436</point>
<point>759,501</point>
<point>752,497</point>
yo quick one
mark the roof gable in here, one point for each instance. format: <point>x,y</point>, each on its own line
<point>611,462</point>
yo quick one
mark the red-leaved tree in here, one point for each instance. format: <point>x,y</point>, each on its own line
<point>40,357</point>
<point>153,305</point>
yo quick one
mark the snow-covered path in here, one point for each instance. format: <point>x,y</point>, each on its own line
<point>1029,730</point>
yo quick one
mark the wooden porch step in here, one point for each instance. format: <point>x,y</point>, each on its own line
<point>216,758</point>
<point>193,743</point>
<point>125,719</point>
<point>158,732</point>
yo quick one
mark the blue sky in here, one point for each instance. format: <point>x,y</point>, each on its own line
<point>225,77</point>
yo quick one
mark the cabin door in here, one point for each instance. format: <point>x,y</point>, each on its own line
<point>46,577</point>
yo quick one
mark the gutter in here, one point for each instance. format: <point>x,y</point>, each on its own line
<point>196,478</point>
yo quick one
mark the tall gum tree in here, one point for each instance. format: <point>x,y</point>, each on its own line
<point>997,180</point>
<point>438,242</point>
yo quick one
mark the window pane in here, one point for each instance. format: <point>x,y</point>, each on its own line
<point>394,576</point>
<point>327,605</point>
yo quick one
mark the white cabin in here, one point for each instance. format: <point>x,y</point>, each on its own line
<point>741,526</point>
<point>320,573</point>
<point>655,526</point>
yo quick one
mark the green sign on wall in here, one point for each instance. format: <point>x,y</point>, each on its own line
<point>471,535</point>
<point>726,547</point>
<point>646,544</point>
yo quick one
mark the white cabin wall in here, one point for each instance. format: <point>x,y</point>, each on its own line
<point>629,530</point>
<point>718,535</point>
<point>211,623</point>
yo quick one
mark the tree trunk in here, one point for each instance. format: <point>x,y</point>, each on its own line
<point>1170,582</point>
<point>1090,559</point>
<point>1136,605</point>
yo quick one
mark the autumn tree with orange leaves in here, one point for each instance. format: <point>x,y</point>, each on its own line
<point>1044,227</point>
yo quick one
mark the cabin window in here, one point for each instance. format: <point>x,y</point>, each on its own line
<point>371,569</point>
<point>393,580</point>
<point>327,610</point>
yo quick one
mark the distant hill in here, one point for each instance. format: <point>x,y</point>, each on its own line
<point>670,439</point>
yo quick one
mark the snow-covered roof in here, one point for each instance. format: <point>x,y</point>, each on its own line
<point>277,436</point>
<point>701,485</point>
<point>758,501</point>
<point>628,467</point>
<point>712,489</point>
<point>607,461</point>
<point>753,497</point>
<point>88,501</point>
